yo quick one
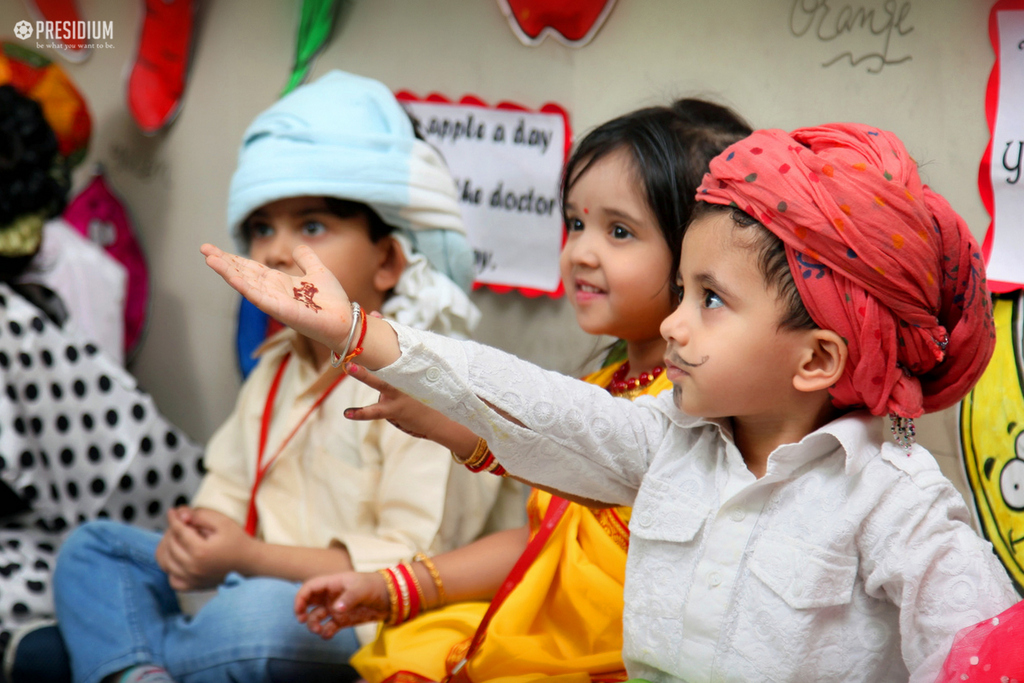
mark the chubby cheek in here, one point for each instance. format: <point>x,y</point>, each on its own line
<point>565,270</point>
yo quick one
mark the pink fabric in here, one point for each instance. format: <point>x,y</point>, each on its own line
<point>99,214</point>
<point>989,652</point>
<point>876,255</point>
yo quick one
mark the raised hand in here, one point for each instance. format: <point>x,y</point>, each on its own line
<point>330,603</point>
<point>313,304</point>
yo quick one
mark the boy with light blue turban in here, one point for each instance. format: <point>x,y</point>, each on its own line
<point>346,136</point>
<point>334,165</point>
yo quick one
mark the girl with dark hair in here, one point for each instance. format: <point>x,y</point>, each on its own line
<point>670,147</point>
<point>555,585</point>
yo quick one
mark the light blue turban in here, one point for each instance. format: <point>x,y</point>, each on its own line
<point>346,136</point>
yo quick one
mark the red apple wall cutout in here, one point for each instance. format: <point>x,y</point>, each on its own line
<point>570,22</point>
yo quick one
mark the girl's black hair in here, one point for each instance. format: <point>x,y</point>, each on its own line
<point>671,147</point>
<point>33,177</point>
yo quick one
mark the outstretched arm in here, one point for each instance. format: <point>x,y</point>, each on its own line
<point>416,419</point>
<point>544,426</point>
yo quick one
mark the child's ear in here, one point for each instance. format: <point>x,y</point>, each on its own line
<point>822,361</point>
<point>391,265</point>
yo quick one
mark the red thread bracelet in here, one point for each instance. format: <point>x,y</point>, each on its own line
<point>359,343</point>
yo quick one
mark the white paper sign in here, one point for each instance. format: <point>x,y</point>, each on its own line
<point>507,165</point>
<point>1006,260</point>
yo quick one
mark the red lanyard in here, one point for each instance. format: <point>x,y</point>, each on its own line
<point>252,518</point>
<point>556,509</point>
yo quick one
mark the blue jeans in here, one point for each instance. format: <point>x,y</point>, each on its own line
<point>116,609</point>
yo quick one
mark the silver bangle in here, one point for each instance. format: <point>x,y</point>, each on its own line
<point>357,315</point>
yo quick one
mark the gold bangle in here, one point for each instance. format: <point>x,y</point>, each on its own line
<point>478,455</point>
<point>392,595</point>
<point>434,575</point>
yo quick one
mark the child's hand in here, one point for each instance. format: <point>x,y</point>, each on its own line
<point>401,410</point>
<point>200,547</point>
<point>328,604</point>
<point>409,415</point>
<point>314,303</point>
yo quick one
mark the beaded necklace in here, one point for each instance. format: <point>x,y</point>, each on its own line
<point>629,388</point>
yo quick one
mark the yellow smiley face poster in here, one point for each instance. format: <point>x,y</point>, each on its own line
<point>992,440</point>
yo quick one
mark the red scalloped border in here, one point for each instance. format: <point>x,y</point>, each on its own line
<point>549,108</point>
<point>985,168</point>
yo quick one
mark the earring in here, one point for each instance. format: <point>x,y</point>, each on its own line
<point>903,431</point>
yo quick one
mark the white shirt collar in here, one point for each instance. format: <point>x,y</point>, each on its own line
<point>859,434</point>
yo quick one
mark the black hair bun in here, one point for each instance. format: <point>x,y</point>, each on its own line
<point>33,175</point>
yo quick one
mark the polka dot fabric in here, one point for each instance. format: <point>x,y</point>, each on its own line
<point>988,652</point>
<point>78,441</point>
<point>876,255</point>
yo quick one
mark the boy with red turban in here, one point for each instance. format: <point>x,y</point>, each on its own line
<point>777,533</point>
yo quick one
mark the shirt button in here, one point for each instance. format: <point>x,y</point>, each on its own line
<point>737,514</point>
<point>433,374</point>
<point>714,578</point>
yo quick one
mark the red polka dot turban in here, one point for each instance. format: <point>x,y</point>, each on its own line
<point>876,255</point>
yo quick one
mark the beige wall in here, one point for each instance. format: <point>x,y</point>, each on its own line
<point>744,53</point>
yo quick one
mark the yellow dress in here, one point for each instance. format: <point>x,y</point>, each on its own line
<point>562,622</point>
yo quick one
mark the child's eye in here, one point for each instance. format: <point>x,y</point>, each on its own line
<point>712,300</point>
<point>620,233</point>
<point>573,224</point>
<point>676,290</point>
<point>313,228</point>
<point>259,230</point>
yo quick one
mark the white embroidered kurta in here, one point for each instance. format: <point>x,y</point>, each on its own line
<point>848,561</point>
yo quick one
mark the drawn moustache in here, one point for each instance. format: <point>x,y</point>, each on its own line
<point>676,360</point>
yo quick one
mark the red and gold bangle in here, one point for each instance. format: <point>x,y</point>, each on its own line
<point>488,464</point>
<point>481,460</point>
<point>478,454</point>
<point>415,590</point>
<point>404,599</point>
<point>394,609</point>
<point>495,468</point>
